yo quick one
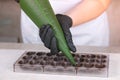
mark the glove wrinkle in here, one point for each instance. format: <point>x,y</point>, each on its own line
<point>43,32</point>
<point>53,45</point>
<point>64,20</point>
<point>48,39</point>
<point>70,43</point>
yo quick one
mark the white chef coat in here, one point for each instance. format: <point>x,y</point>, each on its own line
<point>92,33</point>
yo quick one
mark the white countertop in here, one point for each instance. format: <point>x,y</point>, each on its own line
<point>9,55</point>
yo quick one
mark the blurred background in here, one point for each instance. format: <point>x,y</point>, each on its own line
<point>10,22</point>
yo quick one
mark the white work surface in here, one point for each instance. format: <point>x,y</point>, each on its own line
<point>9,56</point>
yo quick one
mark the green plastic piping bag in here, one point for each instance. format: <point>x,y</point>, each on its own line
<point>41,12</point>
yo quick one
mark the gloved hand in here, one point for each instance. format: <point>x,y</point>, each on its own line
<point>48,37</point>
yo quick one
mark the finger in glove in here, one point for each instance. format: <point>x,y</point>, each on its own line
<point>54,47</point>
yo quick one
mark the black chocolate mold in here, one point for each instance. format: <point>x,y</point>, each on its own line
<point>84,62</point>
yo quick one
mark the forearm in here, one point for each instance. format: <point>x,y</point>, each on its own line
<point>87,10</point>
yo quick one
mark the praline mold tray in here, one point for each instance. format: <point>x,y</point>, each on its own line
<point>87,64</point>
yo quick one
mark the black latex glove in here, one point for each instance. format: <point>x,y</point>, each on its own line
<point>48,37</point>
